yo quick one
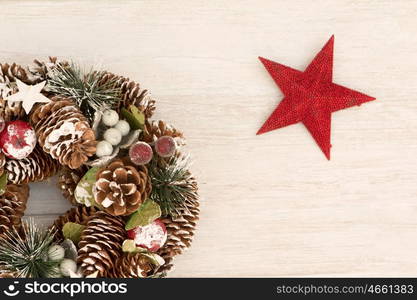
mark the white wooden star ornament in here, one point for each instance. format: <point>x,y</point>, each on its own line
<point>28,95</point>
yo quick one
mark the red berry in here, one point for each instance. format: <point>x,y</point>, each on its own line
<point>165,146</point>
<point>140,153</point>
<point>152,236</point>
<point>18,139</point>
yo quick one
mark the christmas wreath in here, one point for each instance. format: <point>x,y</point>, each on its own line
<point>135,200</point>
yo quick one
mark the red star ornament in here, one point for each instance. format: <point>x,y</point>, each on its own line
<point>310,96</point>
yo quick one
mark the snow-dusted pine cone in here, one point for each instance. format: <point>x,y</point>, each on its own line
<point>38,166</point>
<point>8,75</point>
<point>180,230</point>
<point>12,206</point>
<point>132,94</point>
<point>155,129</point>
<point>41,69</point>
<point>68,180</point>
<point>64,132</point>
<point>132,265</point>
<point>120,189</point>
<point>79,214</point>
<point>101,244</point>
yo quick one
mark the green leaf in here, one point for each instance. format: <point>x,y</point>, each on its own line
<point>3,182</point>
<point>155,258</point>
<point>84,191</point>
<point>73,231</point>
<point>129,246</point>
<point>134,117</point>
<point>146,214</point>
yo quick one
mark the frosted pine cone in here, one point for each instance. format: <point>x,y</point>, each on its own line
<point>42,69</point>
<point>68,180</point>
<point>13,206</point>
<point>180,229</point>
<point>36,167</point>
<point>132,93</point>
<point>10,110</point>
<point>120,189</point>
<point>64,132</point>
<point>8,75</point>
<point>101,244</point>
<point>132,265</point>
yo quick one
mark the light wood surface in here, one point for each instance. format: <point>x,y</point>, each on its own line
<point>272,205</point>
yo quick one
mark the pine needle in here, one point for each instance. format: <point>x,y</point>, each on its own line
<point>25,251</point>
<point>86,88</point>
<point>173,186</point>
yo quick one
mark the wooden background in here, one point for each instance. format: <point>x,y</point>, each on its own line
<point>272,205</point>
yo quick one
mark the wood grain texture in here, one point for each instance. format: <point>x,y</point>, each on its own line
<point>271,205</point>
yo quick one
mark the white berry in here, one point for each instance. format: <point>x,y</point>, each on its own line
<point>123,127</point>
<point>113,136</point>
<point>56,252</point>
<point>110,117</point>
<point>67,265</point>
<point>104,148</point>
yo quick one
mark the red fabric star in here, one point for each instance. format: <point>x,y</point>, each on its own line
<point>310,96</point>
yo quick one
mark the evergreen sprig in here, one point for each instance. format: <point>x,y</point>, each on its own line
<point>173,186</point>
<point>88,90</point>
<point>24,251</point>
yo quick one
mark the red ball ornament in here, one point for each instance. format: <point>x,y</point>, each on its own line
<point>165,146</point>
<point>140,153</point>
<point>18,139</point>
<point>152,236</point>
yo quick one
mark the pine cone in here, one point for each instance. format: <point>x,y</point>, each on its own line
<point>41,69</point>
<point>132,265</point>
<point>132,93</point>
<point>36,167</point>
<point>121,188</point>
<point>101,244</point>
<point>68,180</point>
<point>13,206</point>
<point>180,230</point>
<point>155,129</point>
<point>79,214</point>
<point>8,75</point>
<point>8,275</point>
<point>64,132</point>
<point>10,110</point>
<point>2,162</point>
